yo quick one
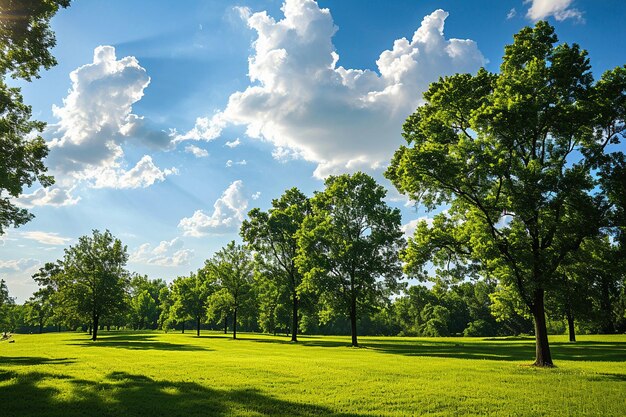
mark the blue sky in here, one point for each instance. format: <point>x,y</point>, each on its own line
<point>167,123</point>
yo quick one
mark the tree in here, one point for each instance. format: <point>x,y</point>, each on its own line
<point>94,282</point>
<point>39,308</point>
<point>348,247</point>
<point>25,43</point>
<point>232,269</point>
<point>273,235</point>
<point>189,297</point>
<point>144,309</point>
<point>513,155</point>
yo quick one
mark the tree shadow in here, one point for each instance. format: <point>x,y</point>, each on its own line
<point>507,349</point>
<point>33,360</point>
<point>135,342</point>
<point>121,393</point>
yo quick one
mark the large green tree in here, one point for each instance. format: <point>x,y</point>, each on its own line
<point>348,247</point>
<point>514,155</point>
<point>273,235</point>
<point>25,43</point>
<point>94,282</point>
<point>232,270</point>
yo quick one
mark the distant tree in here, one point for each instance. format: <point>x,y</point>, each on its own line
<point>144,309</point>
<point>232,269</point>
<point>348,247</point>
<point>25,41</point>
<point>39,308</point>
<point>273,235</point>
<point>513,155</point>
<point>189,296</point>
<point>6,303</point>
<point>94,282</point>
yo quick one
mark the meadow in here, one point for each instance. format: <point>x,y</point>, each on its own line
<point>152,373</point>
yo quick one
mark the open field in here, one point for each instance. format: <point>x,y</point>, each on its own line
<point>173,374</point>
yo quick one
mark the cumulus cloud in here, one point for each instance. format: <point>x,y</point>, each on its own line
<point>228,213</point>
<point>301,101</point>
<point>560,9</point>
<point>94,122</point>
<point>18,265</point>
<point>53,196</point>
<point>196,151</point>
<point>45,238</point>
<point>233,144</point>
<point>256,195</point>
<point>166,253</point>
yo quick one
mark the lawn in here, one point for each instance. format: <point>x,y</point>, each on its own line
<point>152,374</point>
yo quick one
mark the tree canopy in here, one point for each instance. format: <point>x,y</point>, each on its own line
<point>520,158</point>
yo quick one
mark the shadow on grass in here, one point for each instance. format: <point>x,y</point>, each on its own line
<point>123,394</point>
<point>135,342</point>
<point>518,349</point>
<point>33,360</point>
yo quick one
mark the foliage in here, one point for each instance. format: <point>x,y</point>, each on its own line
<point>272,235</point>
<point>25,43</point>
<point>348,247</point>
<point>514,156</point>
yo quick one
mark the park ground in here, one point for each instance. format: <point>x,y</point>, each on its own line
<point>154,374</point>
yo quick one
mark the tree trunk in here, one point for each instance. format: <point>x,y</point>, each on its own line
<point>108,327</point>
<point>95,327</point>
<point>198,326</point>
<point>570,325</point>
<point>542,347</point>
<point>226,324</point>
<point>235,323</point>
<point>90,327</point>
<point>183,326</point>
<point>355,343</point>
<point>294,326</point>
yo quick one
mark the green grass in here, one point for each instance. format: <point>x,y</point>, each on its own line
<point>155,374</point>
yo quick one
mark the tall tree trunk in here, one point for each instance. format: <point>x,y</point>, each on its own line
<point>235,323</point>
<point>225,323</point>
<point>198,326</point>
<point>570,324</point>
<point>542,347</point>
<point>95,327</point>
<point>294,325</point>
<point>355,343</point>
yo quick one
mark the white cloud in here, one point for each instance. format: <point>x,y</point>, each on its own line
<point>560,9</point>
<point>511,14</point>
<point>53,196</point>
<point>144,174</point>
<point>18,265</point>
<point>45,238</point>
<point>196,151</point>
<point>204,129</point>
<point>94,122</point>
<point>230,163</point>
<point>166,253</point>
<point>340,118</point>
<point>256,195</point>
<point>233,144</point>
<point>228,213</point>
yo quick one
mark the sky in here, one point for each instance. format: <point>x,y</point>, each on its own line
<point>168,121</point>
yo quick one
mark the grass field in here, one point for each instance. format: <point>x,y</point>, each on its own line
<point>152,374</point>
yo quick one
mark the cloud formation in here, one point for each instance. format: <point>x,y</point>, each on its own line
<point>196,151</point>
<point>94,122</point>
<point>228,213</point>
<point>45,238</point>
<point>560,9</point>
<point>18,265</point>
<point>166,253</point>
<point>343,119</point>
